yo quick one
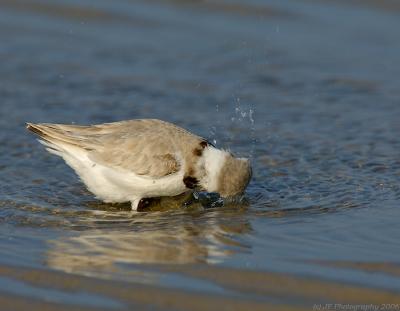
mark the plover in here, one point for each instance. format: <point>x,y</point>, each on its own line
<point>136,160</point>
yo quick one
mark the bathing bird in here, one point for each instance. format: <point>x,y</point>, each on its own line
<point>137,160</point>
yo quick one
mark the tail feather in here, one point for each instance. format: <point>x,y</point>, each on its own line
<point>53,148</point>
<point>72,148</point>
<point>55,135</point>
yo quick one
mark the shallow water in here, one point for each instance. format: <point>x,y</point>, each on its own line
<point>308,89</point>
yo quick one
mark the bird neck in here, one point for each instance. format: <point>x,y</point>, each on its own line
<point>214,160</point>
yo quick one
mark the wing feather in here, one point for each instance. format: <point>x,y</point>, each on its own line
<point>145,147</point>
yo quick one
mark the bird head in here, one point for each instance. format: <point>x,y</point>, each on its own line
<point>234,176</point>
<point>227,175</point>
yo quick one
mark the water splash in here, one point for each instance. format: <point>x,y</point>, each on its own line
<point>252,133</point>
<point>214,129</point>
<point>244,115</point>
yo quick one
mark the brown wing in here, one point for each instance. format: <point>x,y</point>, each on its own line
<point>145,147</point>
<point>142,147</point>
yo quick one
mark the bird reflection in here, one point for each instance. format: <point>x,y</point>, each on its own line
<point>110,240</point>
